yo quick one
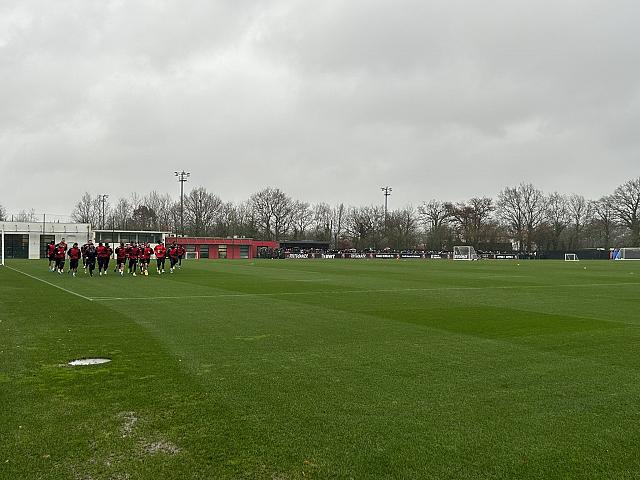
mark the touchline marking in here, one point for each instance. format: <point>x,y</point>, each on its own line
<point>336,292</point>
<point>49,283</point>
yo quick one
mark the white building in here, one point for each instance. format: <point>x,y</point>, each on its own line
<point>29,239</point>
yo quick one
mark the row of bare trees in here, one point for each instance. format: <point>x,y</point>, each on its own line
<point>522,216</point>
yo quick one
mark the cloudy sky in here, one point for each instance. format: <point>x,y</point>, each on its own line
<point>327,100</point>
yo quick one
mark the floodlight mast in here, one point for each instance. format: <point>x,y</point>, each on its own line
<point>103,199</point>
<point>386,192</point>
<point>182,177</point>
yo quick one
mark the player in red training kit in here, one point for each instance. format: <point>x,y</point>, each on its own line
<point>132,253</point>
<point>121,258</point>
<point>51,255</point>
<point>145,258</point>
<point>100,251</point>
<point>61,254</point>
<point>181,253</point>
<point>173,256</point>
<point>74,257</point>
<point>161,253</point>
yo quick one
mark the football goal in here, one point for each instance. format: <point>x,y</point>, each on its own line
<point>627,253</point>
<point>570,257</point>
<point>464,252</point>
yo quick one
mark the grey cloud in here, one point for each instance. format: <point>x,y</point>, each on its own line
<point>326,100</point>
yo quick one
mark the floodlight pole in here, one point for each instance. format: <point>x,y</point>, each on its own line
<point>386,192</point>
<point>2,246</point>
<point>182,177</point>
<point>103,199</point>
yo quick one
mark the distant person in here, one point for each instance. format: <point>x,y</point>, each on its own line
<point>101,253</point>
<point>145,259</point>
<point>181,253</point>
<point>160,252</point>
<point>107,258</point>
<point>51,255</point>
<point>60,255</point>
<point>121,258</point>
<point>91,256</point>
<point>83,251</point>
<point>74,254</point>
<point>133,252</point>
<point>173,256</point>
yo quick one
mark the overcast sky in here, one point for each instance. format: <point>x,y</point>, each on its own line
<point>326,100</point>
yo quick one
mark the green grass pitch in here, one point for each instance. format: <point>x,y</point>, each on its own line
<point>323,369</point>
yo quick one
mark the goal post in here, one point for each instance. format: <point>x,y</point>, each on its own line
<point>464,252</point>
<point>627,253</point>
<point>571,257</point>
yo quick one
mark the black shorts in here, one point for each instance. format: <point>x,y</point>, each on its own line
<point>121,261</point>
<point>73,263</point>
<point>60,262</point>
<point>52,258</point>
<point>133,262</point>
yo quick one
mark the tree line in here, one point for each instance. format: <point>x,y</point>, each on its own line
<point>522,215</point>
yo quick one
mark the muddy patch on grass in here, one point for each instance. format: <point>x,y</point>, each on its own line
<point>162,446</point>
<point>129,420</point>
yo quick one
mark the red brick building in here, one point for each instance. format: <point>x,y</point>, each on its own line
<point>232,248</point>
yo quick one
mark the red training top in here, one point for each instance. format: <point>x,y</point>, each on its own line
<point>74,253</point>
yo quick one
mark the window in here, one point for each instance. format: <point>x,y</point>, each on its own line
<point>222,251</point>
<point>44,242</point>
<point>204,251</point>
<point>16,246</point>
<point>244,251</point>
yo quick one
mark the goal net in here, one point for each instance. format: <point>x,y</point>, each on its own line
<point>570,257</point>
<point>627,253</point>
<point>464,252</point>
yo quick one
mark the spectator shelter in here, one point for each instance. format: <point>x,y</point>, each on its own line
<point>232,248</point>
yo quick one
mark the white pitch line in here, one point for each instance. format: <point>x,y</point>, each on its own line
<point>49,283</point>
<point>336,292</point>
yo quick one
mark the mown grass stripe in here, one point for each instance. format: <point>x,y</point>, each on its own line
<point>383,290</point>
<point>50,284</point>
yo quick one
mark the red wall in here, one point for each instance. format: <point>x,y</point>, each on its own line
<point>233,245</point>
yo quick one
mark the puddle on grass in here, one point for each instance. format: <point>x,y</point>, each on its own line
<point>88,361</point>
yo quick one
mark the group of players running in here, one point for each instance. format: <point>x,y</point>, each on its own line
<point>136,256</point>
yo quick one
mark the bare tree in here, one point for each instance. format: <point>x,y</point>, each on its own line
<point>625,202</point>
<point>435,217</point>
<point>603,220</point>
<point>302,218</point>
<point>521,210</point>
<point>402,228</point>
<point>121,215</point>
<point>160,204</point>
<point>470,218</point>
<point>361,225</point>
<point>579,210</point>
<point>273,212</point>
<point>322,222</point>
<point>88,210</point>
<point>201,210</point>
<point>3,213</point>
<point>557,216</point>
<point>27,216</point>
<point>337,221</point>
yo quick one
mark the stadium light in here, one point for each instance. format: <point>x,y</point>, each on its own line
<point>182,177</point>
<point>386,192</point>
<point>103,199</point>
